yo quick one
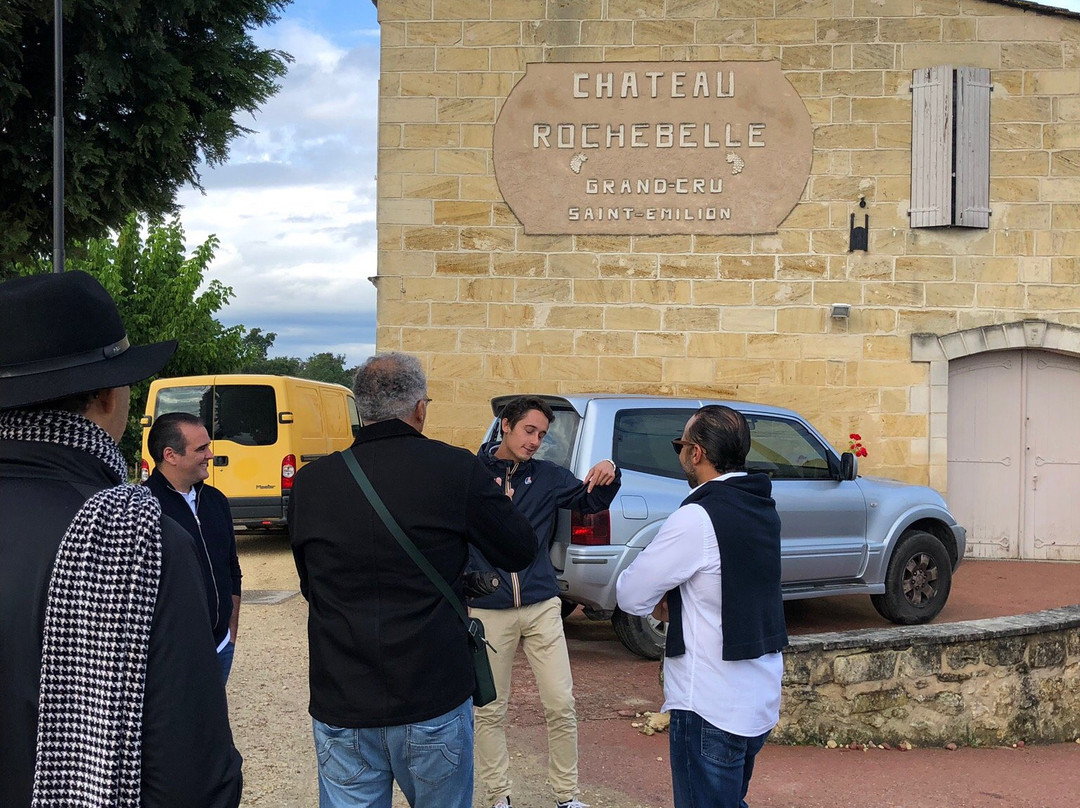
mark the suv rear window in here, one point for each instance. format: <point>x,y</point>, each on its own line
<point>558,444</point>
<point>241,413</point>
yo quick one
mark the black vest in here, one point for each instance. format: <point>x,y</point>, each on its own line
<point>747,526</point>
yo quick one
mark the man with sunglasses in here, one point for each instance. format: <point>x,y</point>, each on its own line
<point>713,572</point>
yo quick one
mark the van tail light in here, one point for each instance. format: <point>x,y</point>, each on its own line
<point>590,528</point>
<point>288,471</point>
<point>144,471</point>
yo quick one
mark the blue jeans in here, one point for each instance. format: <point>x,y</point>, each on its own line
<point>710,768</point>
<point>432,762</point>
<point>225,658</point>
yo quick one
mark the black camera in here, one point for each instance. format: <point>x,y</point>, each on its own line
<point>477,583</point>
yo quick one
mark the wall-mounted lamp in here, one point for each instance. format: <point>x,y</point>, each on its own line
<point>840,311</point>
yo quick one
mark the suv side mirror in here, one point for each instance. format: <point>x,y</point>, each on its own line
<point>849,466</point>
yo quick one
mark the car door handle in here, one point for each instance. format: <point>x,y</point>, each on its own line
<point>221,460</point>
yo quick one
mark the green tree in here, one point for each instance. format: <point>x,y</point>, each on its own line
<point>320,367</point>
<point>151,88</point>
<point>161,295</point>
<point>327,367</point>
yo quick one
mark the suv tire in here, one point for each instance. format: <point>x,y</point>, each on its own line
<point>918,580</point>
<point>643,636</point>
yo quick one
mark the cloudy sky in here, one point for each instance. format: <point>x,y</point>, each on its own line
<point>294,208</point>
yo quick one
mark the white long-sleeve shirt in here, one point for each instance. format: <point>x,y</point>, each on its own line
<point>741,697</point>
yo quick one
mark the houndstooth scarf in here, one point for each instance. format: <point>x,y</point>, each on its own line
<point>97,630</point>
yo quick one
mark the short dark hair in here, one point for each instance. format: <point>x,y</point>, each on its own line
<point>77,403</point>
<point>165,433</point>
<point>514,409</point>
<point>723,434</point>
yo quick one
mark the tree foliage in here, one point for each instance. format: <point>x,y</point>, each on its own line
<point>320,367</point>
<point>151,87</point>
<point>161,295</point>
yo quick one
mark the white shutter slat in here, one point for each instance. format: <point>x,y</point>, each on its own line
<point>931,146</point>
<point>972,147</point>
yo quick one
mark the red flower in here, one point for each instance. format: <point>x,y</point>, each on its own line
<point>856,445</point>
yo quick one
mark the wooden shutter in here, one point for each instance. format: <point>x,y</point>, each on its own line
<point>950,146</point>
<point>931,146</point>
<point>972,193</point>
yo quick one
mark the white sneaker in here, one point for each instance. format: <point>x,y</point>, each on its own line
<point>574,803</point>
<point>504,802</point>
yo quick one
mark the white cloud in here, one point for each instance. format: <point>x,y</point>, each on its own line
<point>294,207</point>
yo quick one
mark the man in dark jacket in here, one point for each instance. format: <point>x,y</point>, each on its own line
<point>391,674</point>
<point>525,607</point>
<point>180,447</point>
<point>109,690</point>
<point>713,572</point>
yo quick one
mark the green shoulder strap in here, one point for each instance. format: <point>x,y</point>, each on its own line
<point>407,544</point>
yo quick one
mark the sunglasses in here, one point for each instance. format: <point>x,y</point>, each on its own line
<point>679,443</point>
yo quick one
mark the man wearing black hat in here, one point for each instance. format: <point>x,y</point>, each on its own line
<point>109,687</point>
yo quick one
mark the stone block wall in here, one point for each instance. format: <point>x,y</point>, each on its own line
<point>979,683</point>
<point>491,310</point>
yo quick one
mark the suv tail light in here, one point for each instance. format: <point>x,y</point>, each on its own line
<point>144,471</point>
<point>590,528</point>
<point>288,471</point>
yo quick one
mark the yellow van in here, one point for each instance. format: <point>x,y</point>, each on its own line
<point>263,429</point>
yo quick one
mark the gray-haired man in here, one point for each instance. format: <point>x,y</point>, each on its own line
<point>391,675</point>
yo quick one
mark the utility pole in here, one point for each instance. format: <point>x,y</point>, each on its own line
<point>58,138</point>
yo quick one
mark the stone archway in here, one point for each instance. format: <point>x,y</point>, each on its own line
<point>1022,343</point>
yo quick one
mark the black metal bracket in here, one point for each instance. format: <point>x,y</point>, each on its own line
<point>860,236</point>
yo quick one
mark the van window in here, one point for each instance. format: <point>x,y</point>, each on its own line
<point>246,414</point>
<point>354,417</point>
<point>197,400</point>
<point>243,413</point>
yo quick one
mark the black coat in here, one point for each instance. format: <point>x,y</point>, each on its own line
<point>386,648</point>
<point>188,757</point>
<point>215,543</point>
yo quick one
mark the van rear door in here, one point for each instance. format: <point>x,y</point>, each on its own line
<point>247,459</point>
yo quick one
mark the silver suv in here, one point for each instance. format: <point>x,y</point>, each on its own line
<point>842,534</point>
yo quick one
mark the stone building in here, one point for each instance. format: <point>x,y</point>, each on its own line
<point>916,279</point>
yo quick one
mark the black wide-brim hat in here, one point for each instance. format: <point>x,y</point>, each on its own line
<point>61,334</point>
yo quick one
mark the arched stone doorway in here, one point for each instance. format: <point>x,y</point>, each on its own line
<point>1003,429</point>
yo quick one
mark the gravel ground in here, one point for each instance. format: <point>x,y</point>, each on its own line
<point>268,694</point>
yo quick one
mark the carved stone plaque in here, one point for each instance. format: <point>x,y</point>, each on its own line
<point>652,148</point>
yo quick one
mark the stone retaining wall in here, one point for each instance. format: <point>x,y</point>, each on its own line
<point>982,682</point>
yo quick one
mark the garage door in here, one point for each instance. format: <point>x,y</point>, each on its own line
<point>1014,453</point>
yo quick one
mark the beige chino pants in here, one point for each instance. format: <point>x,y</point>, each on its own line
<point>539,628</point>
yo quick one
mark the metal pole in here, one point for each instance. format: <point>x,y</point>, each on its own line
<point>58,138</point>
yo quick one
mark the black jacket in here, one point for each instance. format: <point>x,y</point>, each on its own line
<point>214,540</point>
<point>188,757</point>
<point>386,648</point>
<point>541,488</point>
